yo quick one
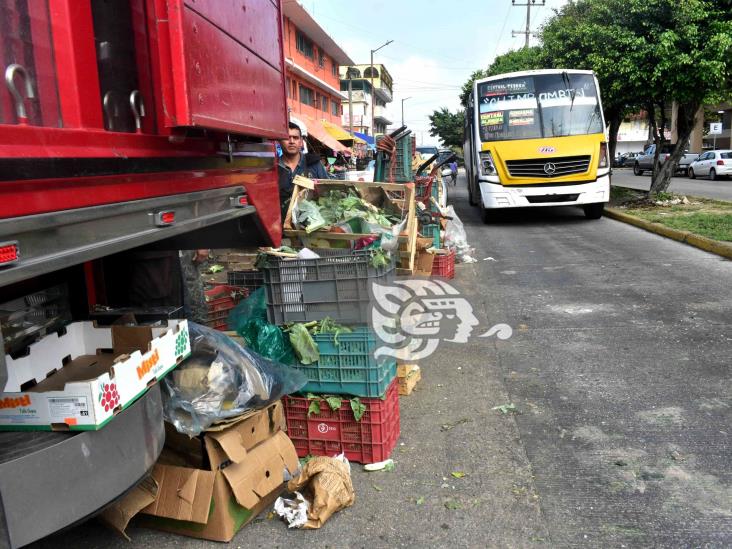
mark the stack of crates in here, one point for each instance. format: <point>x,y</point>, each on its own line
<point>220,300</point>
<point>402,160</point>
<point>336,286</point>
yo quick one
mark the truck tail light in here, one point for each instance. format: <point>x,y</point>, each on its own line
<point>603,155</point>
<point>9,253</point>
<point>165,218</point>
<point>240,201</point>
<point>720,162</point>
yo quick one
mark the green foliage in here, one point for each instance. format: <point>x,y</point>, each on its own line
<point>447,126</point>
<point>358,408</point>
<point>334,402</point>
<point>303,344</point>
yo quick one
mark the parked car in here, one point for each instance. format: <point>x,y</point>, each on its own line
<point>644,161</point>
<point>624,160</point>
<point>713,164</point>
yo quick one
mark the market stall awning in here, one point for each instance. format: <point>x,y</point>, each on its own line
<point>368,138</point>
<point>318,131</point>
<point>339,133</point>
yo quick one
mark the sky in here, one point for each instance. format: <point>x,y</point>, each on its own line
<point>437,45</point>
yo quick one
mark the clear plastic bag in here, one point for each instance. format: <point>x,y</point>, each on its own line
<point>222,380</point>
<point>455,237</point>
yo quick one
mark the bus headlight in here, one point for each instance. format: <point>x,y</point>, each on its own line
<point>487,166</point>
<point>603,155</point>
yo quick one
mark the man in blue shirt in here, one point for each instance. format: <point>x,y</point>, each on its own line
<point>293,162</point>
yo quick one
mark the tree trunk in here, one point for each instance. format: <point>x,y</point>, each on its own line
<point>615,116</point>
<point>658,137</point>
<point>686,122</point>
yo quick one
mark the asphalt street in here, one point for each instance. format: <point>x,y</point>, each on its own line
<point>720,189</point>
<point>619,372</point>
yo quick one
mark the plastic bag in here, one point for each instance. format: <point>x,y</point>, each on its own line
<point>222,380</point>
<point>455,237</point>
<point>249,319</point>
<point>390,237</point>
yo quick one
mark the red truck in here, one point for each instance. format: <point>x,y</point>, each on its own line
<point>124,125</point>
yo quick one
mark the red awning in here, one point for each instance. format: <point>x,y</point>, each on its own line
<point>318,131</point>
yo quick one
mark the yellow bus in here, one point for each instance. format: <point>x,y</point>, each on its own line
<point>537,138</point>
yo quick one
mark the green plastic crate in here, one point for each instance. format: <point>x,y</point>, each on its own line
<point>348,367</point>
<point>432,230</point>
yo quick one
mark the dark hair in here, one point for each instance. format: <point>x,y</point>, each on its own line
<point>294,126</point>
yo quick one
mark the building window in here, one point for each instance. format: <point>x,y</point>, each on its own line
<point>307,96</point>
<point>334,110</point>
<point>304,45</point>
<point>289,89</point>
<point>323,103</point>
<point>333,67</point>
<point>294,90</point>
<point>321,59</point>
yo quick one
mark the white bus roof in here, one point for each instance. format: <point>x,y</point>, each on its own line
<point>519,74</point>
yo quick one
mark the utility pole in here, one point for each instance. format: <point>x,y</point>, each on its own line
<point>373,93</point>
<point>526,32</point>
<point>403,100</point>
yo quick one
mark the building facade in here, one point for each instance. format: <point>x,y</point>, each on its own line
<point>313,62</point>
<point>364,98</point>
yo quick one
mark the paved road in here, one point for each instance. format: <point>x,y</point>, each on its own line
<point>619,368</point>
<point>720,189</point>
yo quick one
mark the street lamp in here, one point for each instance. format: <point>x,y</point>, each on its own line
<point>373,95</point>
<point>403,100</point>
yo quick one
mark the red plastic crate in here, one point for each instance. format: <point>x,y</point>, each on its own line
<point>444,265</point>
<point>334,431</point>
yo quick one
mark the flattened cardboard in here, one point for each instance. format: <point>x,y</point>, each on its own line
<point>119,515</point>
<point>183,493</point>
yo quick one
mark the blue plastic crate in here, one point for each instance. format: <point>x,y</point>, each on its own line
<point>348,366</point>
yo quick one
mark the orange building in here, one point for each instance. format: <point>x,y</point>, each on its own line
<point>312,60</point>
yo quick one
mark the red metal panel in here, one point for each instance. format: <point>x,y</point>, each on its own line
<point>230,88</point>
<point>142,57</point>
<point>252,23</point>
<point>41,196</point>
<point>20,198</point>
<point>78,81</point>
<point>37,142</point>
<point>44,64</point>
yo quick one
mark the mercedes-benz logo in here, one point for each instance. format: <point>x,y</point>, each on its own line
<point>549,168</point>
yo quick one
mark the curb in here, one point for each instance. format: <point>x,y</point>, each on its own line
<point>723,249</point>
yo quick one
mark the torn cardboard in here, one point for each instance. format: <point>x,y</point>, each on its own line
<point>242,472</point>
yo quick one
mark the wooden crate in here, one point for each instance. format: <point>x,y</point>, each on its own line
<point>400,194</point>
<point>408,375</point>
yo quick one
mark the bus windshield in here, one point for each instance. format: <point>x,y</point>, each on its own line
<point>545,105</point>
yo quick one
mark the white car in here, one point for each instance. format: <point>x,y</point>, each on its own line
<point>712,163</point>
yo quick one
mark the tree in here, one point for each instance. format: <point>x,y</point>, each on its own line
<point>512,61</point>
<point>592,35</point>
<point>447,126</point>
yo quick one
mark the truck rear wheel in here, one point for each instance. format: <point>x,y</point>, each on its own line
<point>594,211</point>
<point>637,170</point>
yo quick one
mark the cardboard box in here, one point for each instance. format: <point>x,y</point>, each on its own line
<point>408,376</point>
<point>242,473</point>
<point>79,378</point>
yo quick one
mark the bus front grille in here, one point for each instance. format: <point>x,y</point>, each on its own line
<point>548,168</point>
